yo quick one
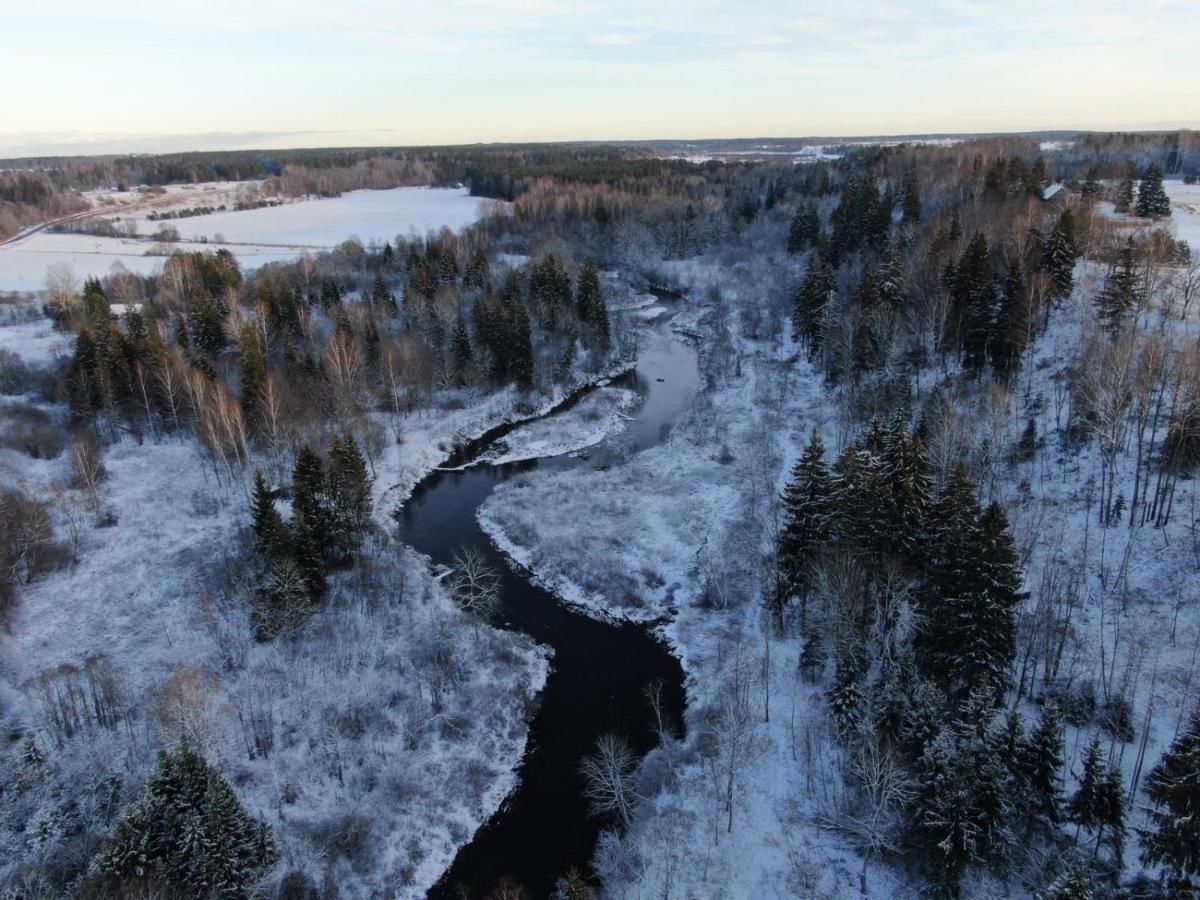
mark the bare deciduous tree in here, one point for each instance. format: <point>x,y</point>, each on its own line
<point>475,585</point>
<point>87,468</point>
<point>607,776</point>
<point>191,709</point>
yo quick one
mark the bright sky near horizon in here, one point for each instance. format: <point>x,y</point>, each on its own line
<point>89,76</point>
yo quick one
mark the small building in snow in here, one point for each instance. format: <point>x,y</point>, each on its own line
<point>1054,192</point>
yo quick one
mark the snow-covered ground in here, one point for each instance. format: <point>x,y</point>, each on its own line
<point>255,236</point>
<point>1185,212</point>
<point>371,216</point>
<point>599,415</point>
<point>36,341</point>
<point>25,264</point>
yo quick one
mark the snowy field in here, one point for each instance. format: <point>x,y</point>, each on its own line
<point>369,216</point>
<point>1185,212</point>
<point>255,236</point>
<point>36,342</point>
<point>24,265</point>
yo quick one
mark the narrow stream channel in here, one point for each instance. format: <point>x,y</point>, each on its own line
<point>599,669</point>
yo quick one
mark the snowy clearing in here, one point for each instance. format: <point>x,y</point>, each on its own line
<point>255,236</point>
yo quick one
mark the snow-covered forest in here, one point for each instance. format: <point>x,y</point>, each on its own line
<point>924,537</point>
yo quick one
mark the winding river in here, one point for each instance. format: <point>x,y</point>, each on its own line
<point>599,669</point>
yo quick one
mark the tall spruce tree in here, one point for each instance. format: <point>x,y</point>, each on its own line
<point>270,533</point>
<point>808,307</point>
<point>1111,810</point>
<point>589,301</point>
<point>993,607</point>
<point>1059,254</point>
<point>349,493</point>
<point>1173,786</point>
<point>1091,183</point>
<point>908,493</point>
<point>311,527</point>
<point>253,375</point>
<point>805,230</point>
<point>1010,332</point>
<point>520,356</point>
<point>460,350</point>
<point>945,637</point>
<point>1041,765</point>
<point>1152,200</point>
<point>189,832</point>
<point>805,523</point>
<point>969,596</point>
<point>973,291</point>
<point>1084,806</point>
<point>1120,297</point>
<point>911,203</point>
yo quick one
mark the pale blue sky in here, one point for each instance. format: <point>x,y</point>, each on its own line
<point>139,75</point>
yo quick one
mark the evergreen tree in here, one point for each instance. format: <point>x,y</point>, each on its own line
<point>805,522</point>
<point>254,375</point>
<point>973,291</point>
<point>81,384</point>
<point>521,347</point>
<point>380,295</point>
<point>808,308</point>
<point>890,280</point>
<point>912,197</point>
<point>1038,177</point>
<point>1121,295</point>
<point>805,230</point>
<point>269,531</point>
<point>950,824</point>
<point>846,695</point>
<point>593,314</point>
<point>550,289</point>
<point>1041,764</point>
<point>1059,254</point>
<point>1173,786</point>
<point>970,594</point>
<point>857,499</point>
<point>460,349</point>
<point>188,831</point>
<point>993,608</point>
<point>349,496</point>
<point>1084,807</point>
<point>1111,811</point>
<point>478,270</point>
<point>1091,184</point>
<point>1152,199</point>
<point>907,496</point>
<point>1075,884</point>
<point>1010,333</point>
<point>206,327</point>
<point>311,528</point>
<point>389,255</point>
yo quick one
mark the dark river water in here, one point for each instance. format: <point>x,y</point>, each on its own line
<point>599,669</point>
